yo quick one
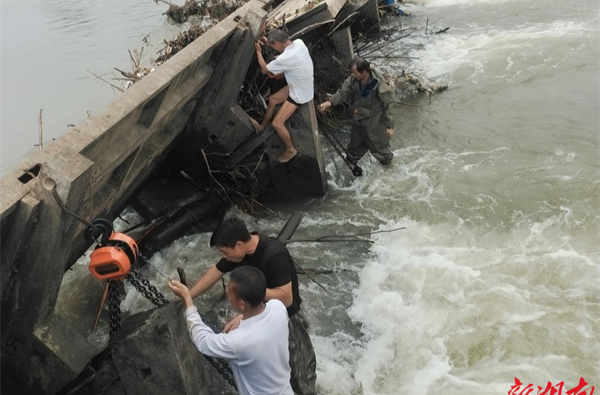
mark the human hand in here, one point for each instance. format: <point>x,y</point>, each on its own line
<point>180,290</point>
<point>257,46</point>
<point>233,324</point>
<point>324,106</point>
<point>390,133</point>
<point>264,40</point>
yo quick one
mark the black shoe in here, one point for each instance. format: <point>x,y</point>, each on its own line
<point>386,162</point>
<point>357,171</point>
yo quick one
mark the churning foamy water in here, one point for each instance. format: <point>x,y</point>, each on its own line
<point>496,180</point>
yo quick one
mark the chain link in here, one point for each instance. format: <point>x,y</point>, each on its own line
<point>144,287</point>
<point>114,307</point>
<point>222,366</point>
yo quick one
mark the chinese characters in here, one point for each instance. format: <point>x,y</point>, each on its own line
<point>520,389</point>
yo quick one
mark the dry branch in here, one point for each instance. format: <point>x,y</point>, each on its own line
<point>41,134</point>
<point>103,80</point>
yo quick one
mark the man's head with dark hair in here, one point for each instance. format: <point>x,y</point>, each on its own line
<point>361,64</point>
<point>229,232</point>
<point>230,238</point>
<point>360,68</point>
<point>246,284</point>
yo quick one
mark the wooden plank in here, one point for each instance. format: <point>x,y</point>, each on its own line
<point>290,227</point>
<point>249,147</point>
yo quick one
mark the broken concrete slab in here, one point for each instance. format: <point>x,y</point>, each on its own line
<point>154,355</point>
<point>304,175</point>
<point>300,14</point>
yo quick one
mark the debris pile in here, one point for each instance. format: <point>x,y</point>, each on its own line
<point>138,70</point>
<point>179,42</point>
<point>236,187</point>
<point>180,14</point>
<point>216,10</point>
<point>413,83</point>
<point>202,15</point>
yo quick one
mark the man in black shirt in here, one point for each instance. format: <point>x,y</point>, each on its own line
<point>241,248</point>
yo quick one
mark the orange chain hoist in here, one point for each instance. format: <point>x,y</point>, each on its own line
<point>115,253</point>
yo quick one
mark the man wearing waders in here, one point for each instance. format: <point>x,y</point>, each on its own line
<point>370,99</point>
<point>240,248</point>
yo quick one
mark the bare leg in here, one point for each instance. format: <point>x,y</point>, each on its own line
<point>286,111</point>
<point>274,100</point>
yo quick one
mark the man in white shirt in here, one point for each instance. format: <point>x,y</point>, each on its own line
<point>295,64</point>
<point>258,348</point>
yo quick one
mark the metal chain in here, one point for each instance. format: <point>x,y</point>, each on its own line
<point>222,366</point>
<point>338,147</point>
<point>145,288</point>
<point>161,298</point>
<point>114,307</point>
<point>148,290</point>
<point>152,294</point>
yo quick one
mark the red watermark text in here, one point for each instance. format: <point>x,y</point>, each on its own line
<point>521,389</point>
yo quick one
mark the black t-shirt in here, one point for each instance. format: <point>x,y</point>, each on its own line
<point>274,261</point>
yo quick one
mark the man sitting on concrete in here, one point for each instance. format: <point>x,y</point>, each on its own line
<point>258,348</point>
<point>297,68</point>
<point>370,99</point>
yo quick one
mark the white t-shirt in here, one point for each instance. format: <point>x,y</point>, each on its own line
<point>297,66</point>
<point>257,350</point>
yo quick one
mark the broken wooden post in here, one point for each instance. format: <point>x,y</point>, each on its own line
<point>182,276</point>
<point>41,134</point>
